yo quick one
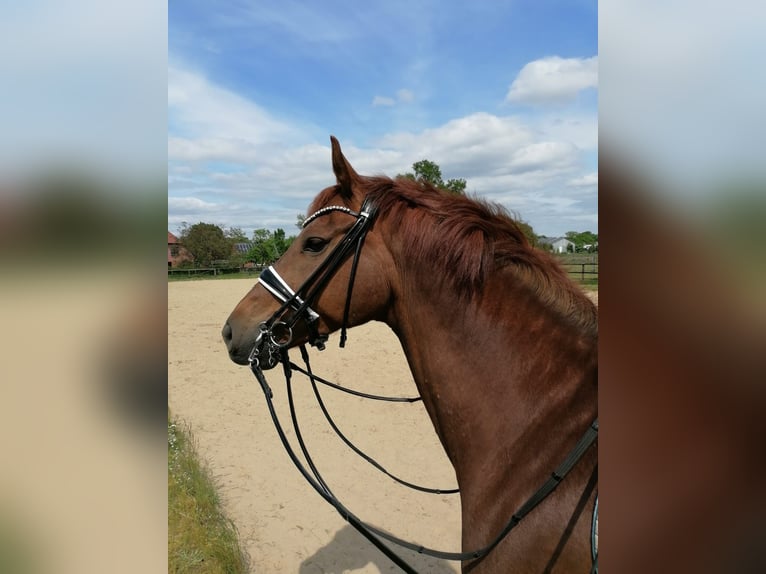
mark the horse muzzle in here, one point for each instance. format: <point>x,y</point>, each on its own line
<point>269,346</point>
<point>263,348</point>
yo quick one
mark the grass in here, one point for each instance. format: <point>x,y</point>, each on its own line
<point>201,539</point>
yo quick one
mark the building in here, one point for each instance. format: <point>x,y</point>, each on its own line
<point>177,253</point>
<point>241,248</point>
<point>557,244</point>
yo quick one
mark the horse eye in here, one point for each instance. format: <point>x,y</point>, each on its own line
<point>314,244</point>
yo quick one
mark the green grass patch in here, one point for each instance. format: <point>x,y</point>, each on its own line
<point>201,539</point>
<point>588,284</point>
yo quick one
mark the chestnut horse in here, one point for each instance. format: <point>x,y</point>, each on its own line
<point>501,344</point>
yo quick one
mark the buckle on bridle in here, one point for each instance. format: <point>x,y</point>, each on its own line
<point>271,338</point>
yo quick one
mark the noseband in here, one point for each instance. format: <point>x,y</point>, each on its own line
<point>275,334</point>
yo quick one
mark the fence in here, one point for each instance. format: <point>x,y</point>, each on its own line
<point>214,271</point>
<point>586,273</point>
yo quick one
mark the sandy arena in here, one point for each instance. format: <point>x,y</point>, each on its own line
<point>283,524</point>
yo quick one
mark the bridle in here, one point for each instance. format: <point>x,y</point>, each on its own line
<point>270,348</point>
<point>275,334</point>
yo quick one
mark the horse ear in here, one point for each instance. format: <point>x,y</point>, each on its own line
<point>344,173</point>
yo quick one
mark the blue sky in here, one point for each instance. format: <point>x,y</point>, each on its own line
<point>500,93</point>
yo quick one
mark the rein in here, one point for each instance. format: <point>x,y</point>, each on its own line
<point>271,348</point>
<point>314,379</point>
<point>373,533</point>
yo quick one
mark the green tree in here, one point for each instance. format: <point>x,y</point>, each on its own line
<point>426,170</point>
<point>260,252</point>
<point>279,241</point>
<point>235,235</point>
<point>206,242</point>
<point>526,228</point>
<point>269,246</point>
<point>430,172</point>
<point>300,220</point>
<point>456,186</point>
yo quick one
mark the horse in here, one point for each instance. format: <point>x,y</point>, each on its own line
<point>501,344</point>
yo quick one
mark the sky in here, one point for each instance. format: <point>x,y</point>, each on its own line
<point>500,93</point>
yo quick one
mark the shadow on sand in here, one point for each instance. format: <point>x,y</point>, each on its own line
<point>349,551</point>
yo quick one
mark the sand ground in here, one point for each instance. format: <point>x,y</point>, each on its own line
<point>283,524</point>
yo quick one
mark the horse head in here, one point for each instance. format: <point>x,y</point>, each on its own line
<point>316,272</point>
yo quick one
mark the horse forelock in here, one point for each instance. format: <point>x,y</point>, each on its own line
<point>464,240</point>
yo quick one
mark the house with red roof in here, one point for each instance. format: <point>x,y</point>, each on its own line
<point>177,253</point>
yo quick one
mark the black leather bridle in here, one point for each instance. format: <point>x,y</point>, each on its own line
<point>275,334</point>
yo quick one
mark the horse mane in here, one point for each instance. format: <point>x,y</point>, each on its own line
<point>468,238</point>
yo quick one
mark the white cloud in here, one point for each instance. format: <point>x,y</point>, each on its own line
<point>553,80</point>
<point>481,144</point>
<point>382,101</point>
<point>578,129</point>
<point>198,107</point>
<point>544,155</point>
<point>587,180</point>
<point>403,96</point>
<point>191,205</point>
<point>235,164</point>
<point>193,210</point>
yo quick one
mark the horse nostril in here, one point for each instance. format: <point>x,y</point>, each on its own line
<point>226,333</point>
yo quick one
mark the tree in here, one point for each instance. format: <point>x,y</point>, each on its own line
<point>456,186</point>
<point>527,230</point>
<point>300,220</point>
<point>235,235</point>
<point>426,170</point>
<point>430,172</point>
<point>206,242</point>
<point>260,252</point>
<point>279,242</point>
<point>268,246</point>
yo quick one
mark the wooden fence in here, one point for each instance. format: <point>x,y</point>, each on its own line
<point>585,273</point>
<point>214,271</point>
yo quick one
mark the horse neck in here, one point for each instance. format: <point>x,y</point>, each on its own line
<point>508,385</point>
